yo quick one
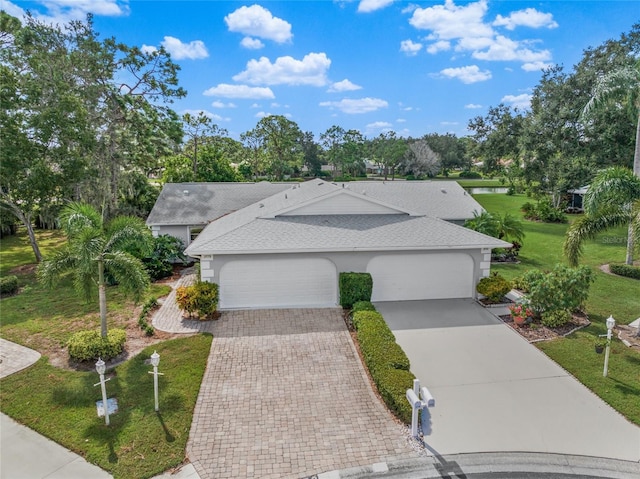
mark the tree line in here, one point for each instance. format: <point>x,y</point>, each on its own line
<point>90,120</point>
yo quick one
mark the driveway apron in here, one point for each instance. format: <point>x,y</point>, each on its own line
<point>285,396</point>
<point>496,392</point>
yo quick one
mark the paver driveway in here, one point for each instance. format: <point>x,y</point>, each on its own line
<point>285,396</point>
<point>496,392</point>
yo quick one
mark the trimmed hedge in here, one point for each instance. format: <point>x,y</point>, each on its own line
<point>387,362</point>
<point>362,306</point>
<point>627,270</point>
<point>355,287</point>
<point>9,284</point>
<point>89,345</point>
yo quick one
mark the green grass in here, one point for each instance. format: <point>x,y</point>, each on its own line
<point>16,250</point>
<point>139,443</point>
<point>609,295</point>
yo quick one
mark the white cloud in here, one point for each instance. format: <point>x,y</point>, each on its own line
<point>251,43</point>
<point>448,21</point>
<point>344,85</point>
<point>193,50</point>
<point>536,66</point>
<point>225,90</point>
<point>62,11</point>
<point>465,29</point>
<point>220,104</point>
<point>257,21</point>
<point>148,49</point>
<point>311,70</point>
<point>529,17</point>
<point>367,6</point>
<point>522,101</point>
<point>505,49</point>
<point>468,74</point>
<point>355,106</point>
<point>472,106</point>
<point>401,120</point>
<point>439,46</point>
<point>262,114</point>
<point>410,48</point>
<point>378,127</point>
<point>206,113</point>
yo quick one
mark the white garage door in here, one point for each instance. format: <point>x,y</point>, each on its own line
<point>278,283</point>
<point>421,276</point>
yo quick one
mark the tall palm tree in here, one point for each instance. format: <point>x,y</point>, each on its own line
<point>95,248</point>
<point>621,85</point>
<point>613,199</point>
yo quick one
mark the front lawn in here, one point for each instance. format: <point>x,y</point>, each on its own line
<point>139,443</point>
<point>609,295</point>
<point>60,403</point>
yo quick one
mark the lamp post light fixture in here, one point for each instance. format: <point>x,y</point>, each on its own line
<point>611,323</point>
<point>155,360</point>
<point>101,367</point>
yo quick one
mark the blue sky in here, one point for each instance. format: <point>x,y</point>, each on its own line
<point>371,65</point>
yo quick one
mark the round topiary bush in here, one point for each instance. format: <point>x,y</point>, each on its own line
<point>90,345</point>
<point>493,287</point>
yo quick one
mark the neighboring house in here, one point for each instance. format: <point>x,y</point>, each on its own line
<point>576,199</point>
<point>287,249</point>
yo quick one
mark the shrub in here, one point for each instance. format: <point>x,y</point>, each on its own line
<point>355,287</point>
<point>9,284</point>
<point>556,318</point>
<point>90,345</point>
<point>200,298</point>
<point>472,175</point>
<point>493,287</point>
<point>386,361</point>
<point>543,211</point>
<point>362,306</point>
<point>142,319</point>
<point>563,288</point>
<point>166,251</point>
<point>625,270</point>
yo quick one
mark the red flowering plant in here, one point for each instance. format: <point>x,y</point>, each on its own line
<point>520,313</point>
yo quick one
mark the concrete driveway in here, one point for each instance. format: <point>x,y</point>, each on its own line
<point>285,396</point>
<point>496,392</point>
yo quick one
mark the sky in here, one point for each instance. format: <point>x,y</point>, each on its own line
<point>371,65</point>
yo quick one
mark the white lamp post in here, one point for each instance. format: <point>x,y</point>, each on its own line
<point>101,368</point>
<point>610,322</point>
<point>155,360</point>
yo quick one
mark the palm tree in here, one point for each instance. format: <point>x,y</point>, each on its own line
<point>620,85</point>
<point>613,200</point>
<point>95,248</point>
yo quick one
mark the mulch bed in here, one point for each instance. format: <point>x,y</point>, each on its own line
<point>534,332</point>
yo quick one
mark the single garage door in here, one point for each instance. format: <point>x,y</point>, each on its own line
<point>421,276</point>
<point>278,283</point>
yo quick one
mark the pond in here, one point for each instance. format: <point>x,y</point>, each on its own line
<point>479,191</point>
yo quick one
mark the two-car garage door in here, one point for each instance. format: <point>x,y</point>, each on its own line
<point>278,283</point>
<point>313,282</point>
<point>422,276</point>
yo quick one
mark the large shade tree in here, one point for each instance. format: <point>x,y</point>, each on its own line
<point>96,248</point>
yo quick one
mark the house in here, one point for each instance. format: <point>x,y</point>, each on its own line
<point>576,198</point>
<point>184,209</point>
<point>287,249</point>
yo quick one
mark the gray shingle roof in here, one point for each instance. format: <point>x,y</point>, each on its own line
<point>204,202</point>
<point>340,233</point>
<point>258,228</point>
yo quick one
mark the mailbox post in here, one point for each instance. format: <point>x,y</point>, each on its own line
<point>419,398</point>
